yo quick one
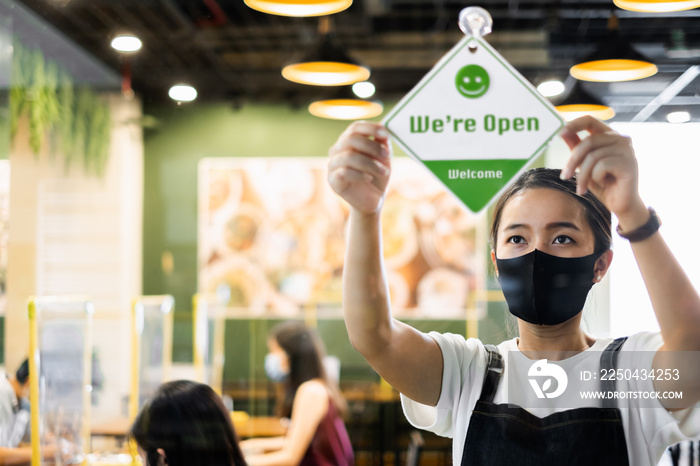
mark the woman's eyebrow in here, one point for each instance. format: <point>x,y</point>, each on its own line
<point>549,226</point>
<point>515,226</point>
<point>557,225</point>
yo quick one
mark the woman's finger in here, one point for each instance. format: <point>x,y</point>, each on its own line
<point>367,129</point>
<point>616,159</point>
<point>355,142</point>
<point>571,139</point>
<point>592,161</point>
<point>342,179</point>
<point>581,151</point>
<point>359,163</point>
<point>586,123</point>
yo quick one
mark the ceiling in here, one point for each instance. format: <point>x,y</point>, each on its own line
<point>232,53</point>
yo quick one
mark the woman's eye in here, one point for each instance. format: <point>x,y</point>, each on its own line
<point>516,239</point>
<point>563,239</point>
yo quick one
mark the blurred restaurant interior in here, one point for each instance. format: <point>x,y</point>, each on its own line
<point>175,230</point>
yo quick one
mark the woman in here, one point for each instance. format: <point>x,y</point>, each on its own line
<point>550,243</point>
<point>317,434</point>
<point>186,423</point>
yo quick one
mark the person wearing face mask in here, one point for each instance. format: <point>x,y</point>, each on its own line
<point>551,242</point>
<point>312,401</point>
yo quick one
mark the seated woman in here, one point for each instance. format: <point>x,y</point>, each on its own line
<point>317,434</point>
<point>186,424</point>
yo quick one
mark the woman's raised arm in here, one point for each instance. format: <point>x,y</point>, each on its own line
<point>358,171</point>
<point>608,168</point>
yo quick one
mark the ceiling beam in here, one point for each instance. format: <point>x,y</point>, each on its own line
<point>642,101</point>
<point>669,93</point>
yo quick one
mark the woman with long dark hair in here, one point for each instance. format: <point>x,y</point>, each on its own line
<point>317,434</point>
<point>186,424</point>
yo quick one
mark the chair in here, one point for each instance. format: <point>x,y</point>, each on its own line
<point>415,447</point>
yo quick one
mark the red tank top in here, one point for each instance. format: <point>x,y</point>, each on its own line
<point>331,443</point>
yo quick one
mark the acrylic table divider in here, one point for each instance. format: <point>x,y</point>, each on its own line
<point>151,346</point>
<point>60,352</point>
<point>209,328</point>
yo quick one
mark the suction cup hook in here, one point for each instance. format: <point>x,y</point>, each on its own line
<point>476,22</point>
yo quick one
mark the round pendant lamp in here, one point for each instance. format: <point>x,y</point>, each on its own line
<point>579,103</point>
<point>299,7</point>
<point>326,64</point>
<point>614,60</point>
<point>657,6</point>
<point>345,105</point>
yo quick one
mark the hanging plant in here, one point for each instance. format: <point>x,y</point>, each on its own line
<point>66,103</point>
<point>38,117</point>
<point>79,127</point>
<point>97,145</point>
<point>18,92</point>
<point>49,100</point>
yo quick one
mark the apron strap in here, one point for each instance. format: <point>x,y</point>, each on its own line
<point>494,371</point>
<point>608,361</point>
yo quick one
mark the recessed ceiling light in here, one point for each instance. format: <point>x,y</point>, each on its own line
<point>678,117</point>
<point>551,88</point>
<point>182,93</point>
<point>363,89</point>
<point>126,43</point>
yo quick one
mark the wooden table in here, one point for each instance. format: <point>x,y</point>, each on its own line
<point>259,426</point>
<point>246,427</point>
<point>118,427</point>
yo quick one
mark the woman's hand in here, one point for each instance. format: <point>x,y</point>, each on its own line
<point>607,167</point>
<point>359,166</point>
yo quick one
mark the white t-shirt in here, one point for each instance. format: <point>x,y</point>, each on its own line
<point>648,431</point>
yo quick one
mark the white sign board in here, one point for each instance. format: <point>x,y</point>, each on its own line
<point>474,122</point>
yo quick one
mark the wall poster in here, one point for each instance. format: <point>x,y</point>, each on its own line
<point>272,239</point>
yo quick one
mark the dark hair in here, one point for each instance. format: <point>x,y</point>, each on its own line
<point>305,351</point>
<point>22,373</point>
<point>189,422</point>
<point>597,215</point>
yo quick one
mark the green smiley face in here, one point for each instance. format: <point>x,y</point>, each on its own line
<point>472,81</point>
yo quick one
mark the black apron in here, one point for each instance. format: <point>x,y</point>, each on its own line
<point>507,435</point>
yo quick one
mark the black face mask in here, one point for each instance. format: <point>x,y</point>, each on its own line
<point>543,289</point>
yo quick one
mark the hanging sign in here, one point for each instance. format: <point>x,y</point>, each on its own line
<point>474,122</point>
